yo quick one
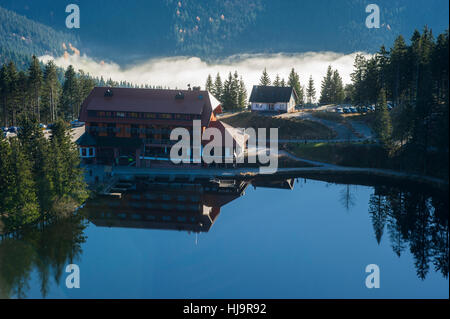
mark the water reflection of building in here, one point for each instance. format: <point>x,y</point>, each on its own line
<point>184,206</point>
<point>270,183</point>
<point>166,205</point>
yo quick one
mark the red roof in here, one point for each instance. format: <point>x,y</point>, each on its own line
<point>150,100</point>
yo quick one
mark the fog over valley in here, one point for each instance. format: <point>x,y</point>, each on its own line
<point>178,72</point>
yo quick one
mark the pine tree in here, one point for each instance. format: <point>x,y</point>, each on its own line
<point>36,148</point>
<point>23,208</point>
<point>358,76</point>
<point>13,91</point>
<point>383,125</point>
<point>66,175</point>
<point>35,82</point>
<point>337,91</point>
<point>326,87</point>
<point>227,94</point>
<point>310,91</point>
<point>23,92</point>
<point>4,93</point>
<point>70,94</point>
<point>51,91</point>
<point>217,90</point>
<point>283,83</point>
<point>242,95</point>
<point>85,85</point>
<point>209,84</point>
<point>277,81</point>
<point>265,80</point>
<point>294,82</point>
<point>6,176</point>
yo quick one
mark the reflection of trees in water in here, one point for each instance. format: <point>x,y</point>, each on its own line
<point>46,250</point>
<point>347,198</point>
<point>416,220</point>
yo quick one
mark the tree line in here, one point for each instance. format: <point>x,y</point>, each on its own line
<point>40,178</point>
<point>45,250</point>
<point>231,93</point>
<point>40,91</point>
<point>47,92</point>
<point>332,91</point>
<point>414,77</point>
<point>332,88</point>
<point>416,221</point>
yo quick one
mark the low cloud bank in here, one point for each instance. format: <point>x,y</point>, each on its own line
<point>178,72</point>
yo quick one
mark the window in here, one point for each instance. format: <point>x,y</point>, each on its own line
<point>165,116</point>
<point>150,115</point>
<point>120,114</point>
<point>86,152</point>
<point>133,115</point>
<point>182,116</point>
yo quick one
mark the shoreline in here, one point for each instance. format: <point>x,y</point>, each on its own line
<point>326,172</point>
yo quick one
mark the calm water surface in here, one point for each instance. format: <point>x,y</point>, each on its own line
<point>312,241</point>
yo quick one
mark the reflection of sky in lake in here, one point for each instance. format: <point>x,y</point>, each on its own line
<point>270,243</point>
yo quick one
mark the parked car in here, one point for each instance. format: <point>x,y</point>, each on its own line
<point>346,110</point>
<point>13,129</point>
<point>76,123</point>
<point>353,109</point>
<point>371,108</point>
<point>42,126</point>
<point>339,110</point>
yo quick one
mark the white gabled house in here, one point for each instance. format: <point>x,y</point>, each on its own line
<point>272,99</point>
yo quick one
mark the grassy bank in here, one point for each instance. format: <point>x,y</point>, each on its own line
<point>330,116</point>
<point>344,154</point>
<point>368,155</point>
<point>292,128</point>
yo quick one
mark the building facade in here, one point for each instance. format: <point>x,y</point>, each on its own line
<point>127,126</point>
<point>272,99</point>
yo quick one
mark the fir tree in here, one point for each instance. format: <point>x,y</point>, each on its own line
<point>209,86</point>
<point>294,82</point>
<point>5,93</point>
<point>383,125</point>
<point>242,94</point>
<point>277,81</point>
<point>217,90</point>
<point>35,82</point>
<point>70,94</point>
<point>265,80</point>
<point>326,88</point>
<point>310,91</point>
<point>23,207</point>
<point>51,91</point>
